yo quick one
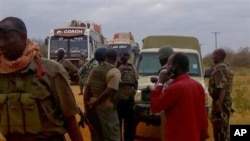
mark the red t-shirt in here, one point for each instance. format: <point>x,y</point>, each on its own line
<point>183,103</point>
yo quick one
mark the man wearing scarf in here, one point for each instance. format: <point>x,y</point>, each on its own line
<point>36,101</point>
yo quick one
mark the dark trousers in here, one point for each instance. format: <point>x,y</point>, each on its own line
<point>126,118</point>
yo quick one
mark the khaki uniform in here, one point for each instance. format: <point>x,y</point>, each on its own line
<point>70,68</point>
<point>34,108</point>
<point>221,77</point>
<point>104,116</point>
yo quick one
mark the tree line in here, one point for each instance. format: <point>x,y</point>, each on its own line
<point>238,58</point>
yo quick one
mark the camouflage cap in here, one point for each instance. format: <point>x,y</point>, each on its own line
<point>164,52</point>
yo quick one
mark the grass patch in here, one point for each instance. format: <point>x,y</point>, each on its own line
<point>241,99</point>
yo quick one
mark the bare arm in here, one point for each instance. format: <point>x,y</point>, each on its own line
<point>86,96</point>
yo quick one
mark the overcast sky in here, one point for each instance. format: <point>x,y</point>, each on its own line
<point>199,18</point>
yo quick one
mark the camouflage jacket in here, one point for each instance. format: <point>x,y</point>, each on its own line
<point>86,68</point>
<point>221,77</point>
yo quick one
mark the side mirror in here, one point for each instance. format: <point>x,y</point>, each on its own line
<point>208,73</point>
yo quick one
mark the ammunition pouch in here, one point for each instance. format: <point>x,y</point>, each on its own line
<point>126,92</point>
<point>20,113</point>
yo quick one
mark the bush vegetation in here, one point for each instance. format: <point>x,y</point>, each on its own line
<point>236,59</point>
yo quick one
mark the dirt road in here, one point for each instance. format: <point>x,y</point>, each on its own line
<point>143,133</point>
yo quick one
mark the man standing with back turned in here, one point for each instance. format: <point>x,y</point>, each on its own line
<point>101,86</point>
<point>220,88</point>
<point>36,102</point>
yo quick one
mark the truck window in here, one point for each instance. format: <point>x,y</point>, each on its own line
<point>194,65</point>
<point>121,48</point>
<point>148,64</point>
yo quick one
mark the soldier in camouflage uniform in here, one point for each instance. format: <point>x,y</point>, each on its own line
<point>220,88</point>
<point>84,72</point>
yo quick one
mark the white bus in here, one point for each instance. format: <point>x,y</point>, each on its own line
<point>76,39</point>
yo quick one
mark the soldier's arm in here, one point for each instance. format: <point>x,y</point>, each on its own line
<point>73,129</point>
<point>105,95</point>
<point>86,96</point>
<point>221,98</point>
<point>221,81</point>
<point>113,79</point>
<point>86,93</point>
<point>71,67</point>
<point>68,107</point>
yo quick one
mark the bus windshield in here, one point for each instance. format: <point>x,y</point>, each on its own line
<point>73,46</point>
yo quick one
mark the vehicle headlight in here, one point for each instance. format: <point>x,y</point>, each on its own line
<point>137,97</point>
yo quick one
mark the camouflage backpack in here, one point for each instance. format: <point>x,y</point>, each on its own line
<point>128,76</point>
<point>128,83</point>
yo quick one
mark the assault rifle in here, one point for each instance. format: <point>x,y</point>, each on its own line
<point>84,120</point>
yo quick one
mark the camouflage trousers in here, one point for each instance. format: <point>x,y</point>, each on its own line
<point>82,83</point>
<point>106,124</point>
<point>221,125</point>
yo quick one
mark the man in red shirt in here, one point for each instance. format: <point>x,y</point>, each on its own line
<point>182,102</point>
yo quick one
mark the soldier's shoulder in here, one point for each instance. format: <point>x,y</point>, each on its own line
<point>52,67</point>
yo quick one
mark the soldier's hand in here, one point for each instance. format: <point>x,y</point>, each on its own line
<point>149,88</point>
<point>163,76</point>
<point>218,108</point>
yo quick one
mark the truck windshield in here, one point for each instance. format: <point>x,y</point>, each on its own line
<point>148,64</point>
<point>73,46</point>
<point>121,48</point>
